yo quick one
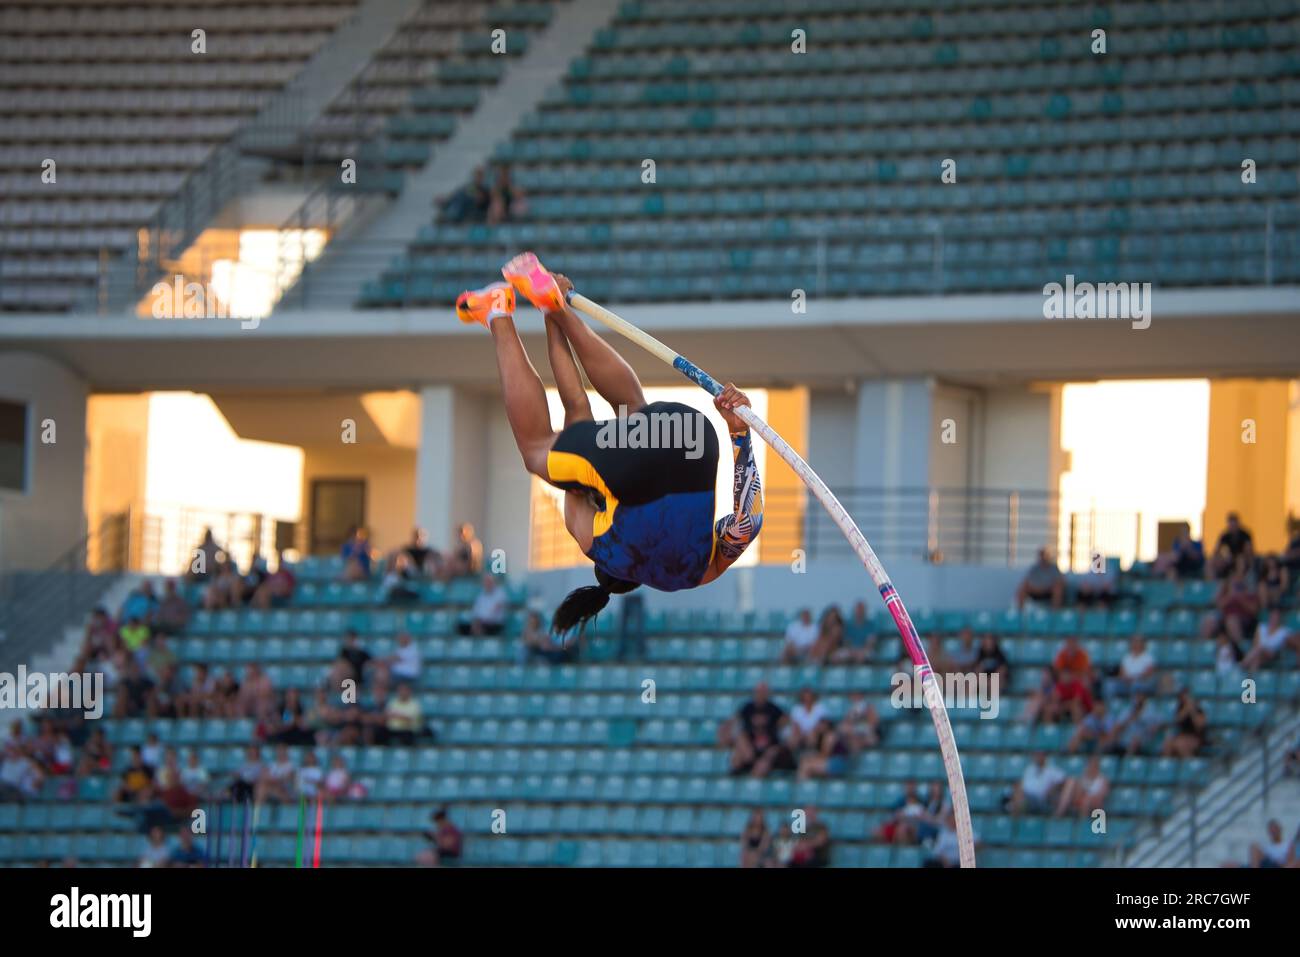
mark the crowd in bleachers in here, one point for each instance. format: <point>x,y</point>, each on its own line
<point>1097,687</point>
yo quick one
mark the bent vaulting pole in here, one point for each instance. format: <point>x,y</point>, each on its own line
<point>933,694</point>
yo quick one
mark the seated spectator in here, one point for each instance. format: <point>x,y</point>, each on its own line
<point>755,841</point>
<point>226,695</point>
<point>338,782</point>
<point>804,718</point>
<point>141,604</point>
<point>910,817</point>
<point>355,553</point>
<point>1086,793</point>
<point>466,556</point>
<point>537,642</point>
<point>101,634</point>
<point>258,573</point>
<point>171,789</point>
<point>256,698</point>
<point>424,561</point>
<point>470,203</point>
<point>1190,728</point>
<point>405,717</point>
<point>194,776</point>
<point>1038,789</point>
<point>276,590</point>
<point>1136,672</point>
<point>1276,851</point>
<point>963,657</point>
<point>813,847</point>
<point>96,755</point>
<point>244,784</point>
<point>187,852</point>
<point>225,587</point>
<point>152,751</point>
<point>860,726</point>
<point>135,634</point>
<point>278,778</point>
<point>487,616</point>
<point>21,778</point>
<point>1136,728</point>
<point>859,644</point>
<point>1271,637</point>
<point>173,612</point>
<point>1071,698</point>
<point>290,725</point>
<point>755,737</point>
<point>133,690</point>
<point>506,201</point>
<point>446,842</point>
<point>404,663</point>
<point>1096,727</point>
<point>826,754</point>
<point>1237,540</point>
<point>946,849</point>
<point>199,699</point>
<point>1042,583</point>
<point>136,786</point>
<point>830,636</point>
<point>1093,588</point>
<point>156,852</point>
<point>351,662</point>
<point>1236,610</point>
<point>992,661</point>
<point>401,584</point>
<point>1227,655</point>
<point>1274,582</point>
<point>800,637</point>
<point>1185,559</point>
<point>311,776</point>
<point>1039,703</point>
<point>1072,656</point>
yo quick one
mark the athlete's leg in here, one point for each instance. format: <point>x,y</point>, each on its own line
<point>521,386</point>
<point>608,371</point>
<point>568,380</point>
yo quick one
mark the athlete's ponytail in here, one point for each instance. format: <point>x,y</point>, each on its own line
<point>583,604</point>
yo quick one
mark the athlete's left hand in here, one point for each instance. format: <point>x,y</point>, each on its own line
<point>730,399</point>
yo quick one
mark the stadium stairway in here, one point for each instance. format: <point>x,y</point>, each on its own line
<point>498,113</point>
<point>1230,811</point>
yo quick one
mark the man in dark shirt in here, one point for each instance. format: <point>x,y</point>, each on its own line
<point>356,656</point>
<point>761,707</point>
<point>1236,538</point>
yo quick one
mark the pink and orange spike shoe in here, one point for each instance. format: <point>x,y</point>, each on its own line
<point>484,305</point>
<point>527,274</point>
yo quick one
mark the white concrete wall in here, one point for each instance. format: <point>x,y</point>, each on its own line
<point>831,440</point>
<point>48,518</point>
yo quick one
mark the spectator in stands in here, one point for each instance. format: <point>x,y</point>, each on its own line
<point>140,604</point>
<point>276,590</point>
<point>404,663</point>
<point>909,814</point>
<point>355,553</point>
<point>826,754</point>
<point>152,751</point>
<point>1071,698</point>
<point>1190,728</point>
<point>1096,727</point>
<point>1237,610</point>
<point>755,841</point>
<point>311,776</point>
<point>96,755</point>
<point>1136,728</point>
<point>1227,655</point>
<point>101,634</point>
<point>171,789</point>
<point>807,713</point>
<point>1038,789</point>
<point>257,698</point>
<point>507,201</point>
<point>1072,656</point>
<point>173,612</point>
<point>206,556</point>
<point>538,643</point>
<point>243,786</point>
<point>631,626</point>
<point>351,662</point>
<point>488,614</point>
<point>21,777</point>
<point>859,645</point>
<point>225,586</point>
<point>946,849</point>
<point>156,852</point>
<point>1136,671</point>
<point>470,203</point>
<point>247,586</point>
<point>424,560</point>
<point>1042,583</point>
<point>813,847</point>
<point>466,556</point>
<point>278,778</point>
<point>135,634</point>
<point>133,689</point>
<point>136,785</point>
<point>291,725</point>
<point>187,852</point>
<point>446,842</point>
<point>800,637</point>
<point>830,636</point>
<point>338,782</point>
<point>962,658</point>
<point>226,695</point>
<point>1237,540</point>
<point>405,717</point>
<point>754,735</point>
<point>195,776</point>
<point>1097,587</point>
<point>1039,700</point>
<point>1086,793</point>
<point>401,584</point>
<point>1275,851</point>
<point>992,661</point>
<point>1271,636</point>
<point>860,726</point>
<point>1184,559</point>
<point>199,700</point>
<point>1274,581</point>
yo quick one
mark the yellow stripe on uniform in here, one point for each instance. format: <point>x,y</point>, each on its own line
<point>570,467</point>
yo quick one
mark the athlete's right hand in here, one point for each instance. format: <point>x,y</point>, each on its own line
<point>726,402</point>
